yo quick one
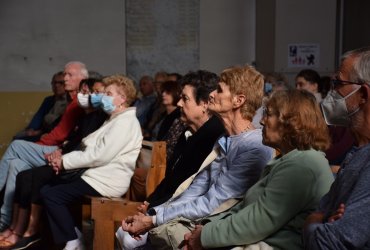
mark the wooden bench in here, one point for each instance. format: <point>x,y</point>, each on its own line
<point>106,211</point>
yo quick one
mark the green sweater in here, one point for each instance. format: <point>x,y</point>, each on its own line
<point>275,208</point>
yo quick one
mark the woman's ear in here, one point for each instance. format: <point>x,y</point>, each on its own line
<point>204,106</point>
<point>238,100</point>
<point>123,99</point>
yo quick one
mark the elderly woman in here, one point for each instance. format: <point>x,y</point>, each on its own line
<point>273,211</point>
<point>238,159</point>
<point>110,155</point>
<point>193,146</point>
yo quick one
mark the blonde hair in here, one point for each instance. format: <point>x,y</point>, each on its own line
<point>125,86</point>
<point>247,81</point>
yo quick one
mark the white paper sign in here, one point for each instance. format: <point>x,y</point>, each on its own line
<point>303,55</point>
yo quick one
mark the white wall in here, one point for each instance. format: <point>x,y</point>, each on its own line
<point>299,21</point>
<point>38,37</point>
<point>227,33</point>
<point>280,23</point>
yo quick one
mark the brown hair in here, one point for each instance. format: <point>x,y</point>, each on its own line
<point>172,88</point>
<point>125,86</point>
<point>303,126</point>
<point>247,81</point>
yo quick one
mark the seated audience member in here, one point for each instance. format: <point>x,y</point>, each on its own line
<point>109,154</point>
<point>159,78</point>
<point>341,137</point>
<point>48,114</point>
<point>276,81</point>
<point>170,92</point>
<point>22,155</point>
<point>193,145</point>
<point>347,104</point>
<point>238,158</point>
<point>23,231</point>
<point>309,80</point>
<point>272,212</point>
<point>325,85</point>
<point>158,108</point>
<point>170,127</point>
<point>174,77</point>
<point>148,99</point>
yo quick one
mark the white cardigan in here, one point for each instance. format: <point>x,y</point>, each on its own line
<point>110,153</point>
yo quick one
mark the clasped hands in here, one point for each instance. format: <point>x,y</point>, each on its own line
<point>138,224</point>
<point>54,160</point>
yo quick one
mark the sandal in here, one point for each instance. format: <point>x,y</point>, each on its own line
<point>6,233</point>
<point>6,243</point>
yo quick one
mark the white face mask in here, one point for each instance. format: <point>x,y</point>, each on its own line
<point>83,100</point>
<point>335,109</point>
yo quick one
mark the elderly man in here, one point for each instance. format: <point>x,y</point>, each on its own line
<point>22,155</point>
<point>145,103</point>
<point>348,105</point>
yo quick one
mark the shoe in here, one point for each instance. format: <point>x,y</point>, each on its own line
<point>26,242</point>
<point>3,226</point>
<point>80,246</point>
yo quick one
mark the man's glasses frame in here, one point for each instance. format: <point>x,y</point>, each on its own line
<point>337,82</point>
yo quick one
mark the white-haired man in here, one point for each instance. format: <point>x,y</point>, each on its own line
<point>22,155</point>
<point>342,221</point>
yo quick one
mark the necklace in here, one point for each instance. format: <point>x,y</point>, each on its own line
<point>249,127</point>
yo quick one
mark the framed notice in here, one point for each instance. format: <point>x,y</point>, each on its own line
<point>303,55</point>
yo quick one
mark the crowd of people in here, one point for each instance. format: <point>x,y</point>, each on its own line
<point>252,162</point>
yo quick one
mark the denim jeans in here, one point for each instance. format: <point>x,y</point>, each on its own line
<point>19,156</point>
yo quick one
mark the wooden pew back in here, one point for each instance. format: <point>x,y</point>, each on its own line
<point>106,211</point>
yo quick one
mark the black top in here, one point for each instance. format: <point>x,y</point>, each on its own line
<point>86,125</point>
<point>187,158</point>
<point>167,123</point>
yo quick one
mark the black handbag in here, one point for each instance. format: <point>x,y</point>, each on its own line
<point>71,174</point>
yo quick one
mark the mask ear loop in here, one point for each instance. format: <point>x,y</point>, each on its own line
<point>347,96</point>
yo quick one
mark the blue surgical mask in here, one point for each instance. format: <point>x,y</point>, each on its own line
<point>96,99</point>
<point>107,104</point>
<point>268,88</point>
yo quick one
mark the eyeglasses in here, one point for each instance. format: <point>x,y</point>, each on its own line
<point>336,82</point>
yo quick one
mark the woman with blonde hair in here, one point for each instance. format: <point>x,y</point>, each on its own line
<point>109,154</point>
<point>239,158</point>
<point>272,212</point>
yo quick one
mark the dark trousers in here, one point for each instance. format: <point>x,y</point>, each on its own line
<point>56,200</point>
<point>29,183</point>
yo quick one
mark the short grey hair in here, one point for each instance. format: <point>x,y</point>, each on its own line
<point>362,67</point>
<point>83,70</point>
<point>356,54</point>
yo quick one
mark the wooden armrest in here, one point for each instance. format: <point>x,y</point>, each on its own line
<point>112,209</point>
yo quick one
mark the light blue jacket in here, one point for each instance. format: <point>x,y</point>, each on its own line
<point>238,166</point>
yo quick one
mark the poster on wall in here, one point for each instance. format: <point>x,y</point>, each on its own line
<point>303,55</point>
